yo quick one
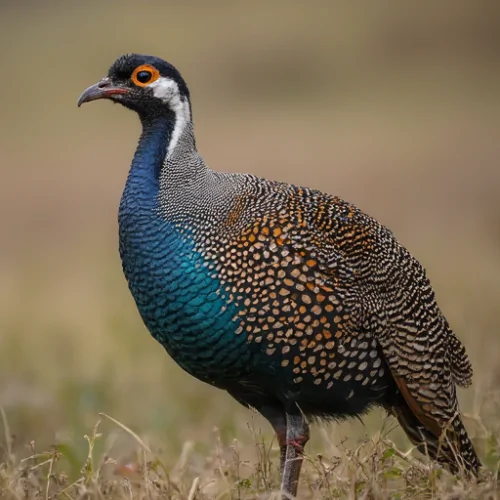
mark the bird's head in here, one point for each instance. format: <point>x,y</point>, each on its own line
<point>145,84</point>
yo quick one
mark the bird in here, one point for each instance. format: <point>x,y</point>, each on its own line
<point>294,301</point>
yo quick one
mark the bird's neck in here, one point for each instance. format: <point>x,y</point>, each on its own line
<point>162,156</point>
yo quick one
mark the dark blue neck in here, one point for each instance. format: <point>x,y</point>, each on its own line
<point>143,179</point>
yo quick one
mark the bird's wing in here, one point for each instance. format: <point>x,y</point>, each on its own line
<point>398,307</point>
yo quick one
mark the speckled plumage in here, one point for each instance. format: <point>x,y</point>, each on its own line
<point>291,299</point>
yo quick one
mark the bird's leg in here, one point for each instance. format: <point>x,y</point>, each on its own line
<point>277,419</point>
<point>282,458</point>
<point>281,436</point>
<point>297,435</point>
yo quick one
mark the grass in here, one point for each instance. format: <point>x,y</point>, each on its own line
<point>375,469</point>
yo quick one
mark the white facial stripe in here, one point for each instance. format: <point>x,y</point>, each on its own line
<point>168,91</point>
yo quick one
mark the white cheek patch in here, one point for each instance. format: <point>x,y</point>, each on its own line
<point>168,91</point>
<point>164,88</point>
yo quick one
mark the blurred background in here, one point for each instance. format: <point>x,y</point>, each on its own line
<point>394,106</point>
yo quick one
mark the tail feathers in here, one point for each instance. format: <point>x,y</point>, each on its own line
<point>464,448</point>
<point>452,449</point>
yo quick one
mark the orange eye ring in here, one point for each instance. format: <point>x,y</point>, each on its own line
<point>140,75</point>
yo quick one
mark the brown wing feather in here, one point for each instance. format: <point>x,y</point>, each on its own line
<point>391,299</point>
<point>399,308</point>
<point>430,423</point>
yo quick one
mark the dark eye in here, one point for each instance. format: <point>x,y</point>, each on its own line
<point>144,76</point>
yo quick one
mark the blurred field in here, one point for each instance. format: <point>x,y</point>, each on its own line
<point>395,107</point>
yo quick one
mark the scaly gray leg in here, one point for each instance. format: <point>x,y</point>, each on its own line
<point>277,418</point>
<point>297,435</point>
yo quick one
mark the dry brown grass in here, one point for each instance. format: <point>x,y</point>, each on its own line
<point>396,109</point>
<point>374,469</point>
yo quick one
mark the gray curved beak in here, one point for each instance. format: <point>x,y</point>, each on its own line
<point>101,90</point>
